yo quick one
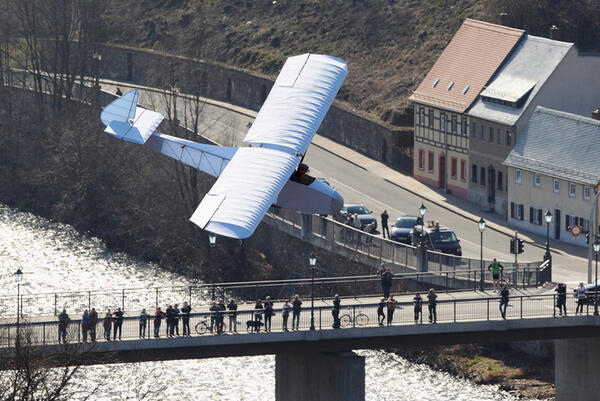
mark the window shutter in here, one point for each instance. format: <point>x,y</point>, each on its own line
<point>512,210</point>
<point>539,216</point>
<point>531,212</point>
<point>567,222</point>
<point>581,220</point>
<point>521,211</point>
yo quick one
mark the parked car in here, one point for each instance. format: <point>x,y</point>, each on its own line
<point>437,238</point>
<point>590,292</point>
<point>364,215</point>
<point>403,228</point>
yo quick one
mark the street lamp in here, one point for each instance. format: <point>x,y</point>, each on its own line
<point>481,225</point>
<point>312,260</point>
<point>548,217</point>
<point>422,211</point>
<point>212,239</point>
<point>596,247</point>
<point>18,277</point>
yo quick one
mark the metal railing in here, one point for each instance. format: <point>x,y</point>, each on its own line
<point>351,315</point>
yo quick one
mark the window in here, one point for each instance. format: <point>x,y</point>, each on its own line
<point>463,127</point>
<point>517,176</point>
<point>421,159</point>
<point>586,193</point>
<point>482,176</point>
<point>474,129</point>
<point>571,221</point>
<point>500,181</point>
<point>556,185</point>
<point>491,134</point>
<point>463,170</point>
<point>443,122</point>
<point>474,174</point>
<point>516,211</point>
<point>572,189</point>
<point>508,138</point>
<point>430,161</point>
<point>430,118</point>
<point>454,131</point>
<point>422,117</point>
<point>453,168</point>
<point>537,180</point>
<point>499,136</point>
<point>535,216</point>
<point>482,132</point>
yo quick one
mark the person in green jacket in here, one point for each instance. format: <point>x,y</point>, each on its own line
<point>496,269</point>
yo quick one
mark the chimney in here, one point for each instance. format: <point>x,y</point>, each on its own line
<point>503,18</point>
<point>596,114</point>
<point>554,32</point>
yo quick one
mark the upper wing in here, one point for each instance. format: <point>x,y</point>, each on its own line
<point>247,187</point>
<point>122,109</point>
<point>298,102</point>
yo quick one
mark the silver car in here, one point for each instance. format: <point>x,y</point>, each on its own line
<point>365,216</point>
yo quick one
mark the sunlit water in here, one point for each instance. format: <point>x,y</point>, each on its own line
<point>54,257</point>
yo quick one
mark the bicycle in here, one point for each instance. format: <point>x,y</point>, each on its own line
<point>202,326</point>
<point>360,320</point>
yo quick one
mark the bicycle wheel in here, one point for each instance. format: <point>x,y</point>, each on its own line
<point>345,320</point>
<point>201,327</point>
<point>362,319</point>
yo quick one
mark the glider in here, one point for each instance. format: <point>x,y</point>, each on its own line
<point>267,172</point>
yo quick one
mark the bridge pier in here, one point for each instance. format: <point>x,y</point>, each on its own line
<point>320,377</point>
<point>575,369</point>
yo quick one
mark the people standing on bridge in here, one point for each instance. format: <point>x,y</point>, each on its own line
<point>118,323</point>
<point>63,323</point>
<point>118,92</point>
<point>418,307</point>
<point>185,317</point>
<point>175,320</point>
<point>580,299</point>
<point>221,316</point>
<point>384,224</point>
<point>268,313</point>
<point>432,304</point>
<point>107,324</point>
<point>170,317</point>
<point>143,320</point>
<point>232,307</point>
<point>258,311</point>
<point>336,311</point>
<point>85,325</point>
<point>561,298</point>
<point>285,314</point>
<point>93,324</point>
<point>296,308</point>
<point>214,319</point>
<point>503,301</point>
<point>158,316</point>
<point>496,269</point>
<point>386,282</point>
<point>380,315</point>
<point>391,307</point>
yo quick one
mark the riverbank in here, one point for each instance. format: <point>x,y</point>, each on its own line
<point>515,372</point>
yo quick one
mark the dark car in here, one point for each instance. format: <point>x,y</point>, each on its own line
<point>436,238</point>
<point>403,228</point>
<point>364,215</point>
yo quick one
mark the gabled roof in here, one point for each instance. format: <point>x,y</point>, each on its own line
<point>519,79</point>
<point>466,65</point>
<point>559,144</point>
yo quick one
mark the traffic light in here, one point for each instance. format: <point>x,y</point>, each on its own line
<point>520,246</point>
<point>512,245</point>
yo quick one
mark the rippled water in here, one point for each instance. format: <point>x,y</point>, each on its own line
<point>54,257</point>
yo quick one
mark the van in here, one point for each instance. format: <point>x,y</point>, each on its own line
<point>436,238</point>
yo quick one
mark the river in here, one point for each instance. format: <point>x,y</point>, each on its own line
<point>54,257</point>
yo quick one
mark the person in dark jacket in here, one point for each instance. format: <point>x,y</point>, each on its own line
<point>185,317</point>
<point>561,298</point>
<point>118,92</point>
<point>93,324</point>
<point>258,311</point>
<point>143,320</point>
<point>107,324</point>
<point>232,308</point>
<point>221,315</point>
<point>503,301</point>
<point>85,325</point>
<point>432,305</point>
<point>63,323</point>
<point>175,326</point>
<point>268,313</point>
<point>158,316</point>
<point>117,323</point>
<point>391,307</point>
<point>386,282</point>
<point>384,224</point>
<point>170,317</point>
<point>214,317</point>
<point>418,307</point>
<point>336,311</point>
<point>296,308</point>
<point>380,315</point>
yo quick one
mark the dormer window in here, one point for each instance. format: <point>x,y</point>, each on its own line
<point>450,85</point>
<point>465,89</point>
<point>435,82</point>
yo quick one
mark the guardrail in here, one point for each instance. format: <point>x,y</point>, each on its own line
<point>352,315</point>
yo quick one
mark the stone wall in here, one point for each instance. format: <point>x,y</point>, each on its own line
<point>249,90</point>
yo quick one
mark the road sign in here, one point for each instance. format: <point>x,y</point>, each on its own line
<point>576,230</point>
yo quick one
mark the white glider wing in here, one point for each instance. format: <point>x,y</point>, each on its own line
<point>298,102</point>
<point>247,187</point>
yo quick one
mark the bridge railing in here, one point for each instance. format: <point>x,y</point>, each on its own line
<point>324,287</point>
<point>351,315</point>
